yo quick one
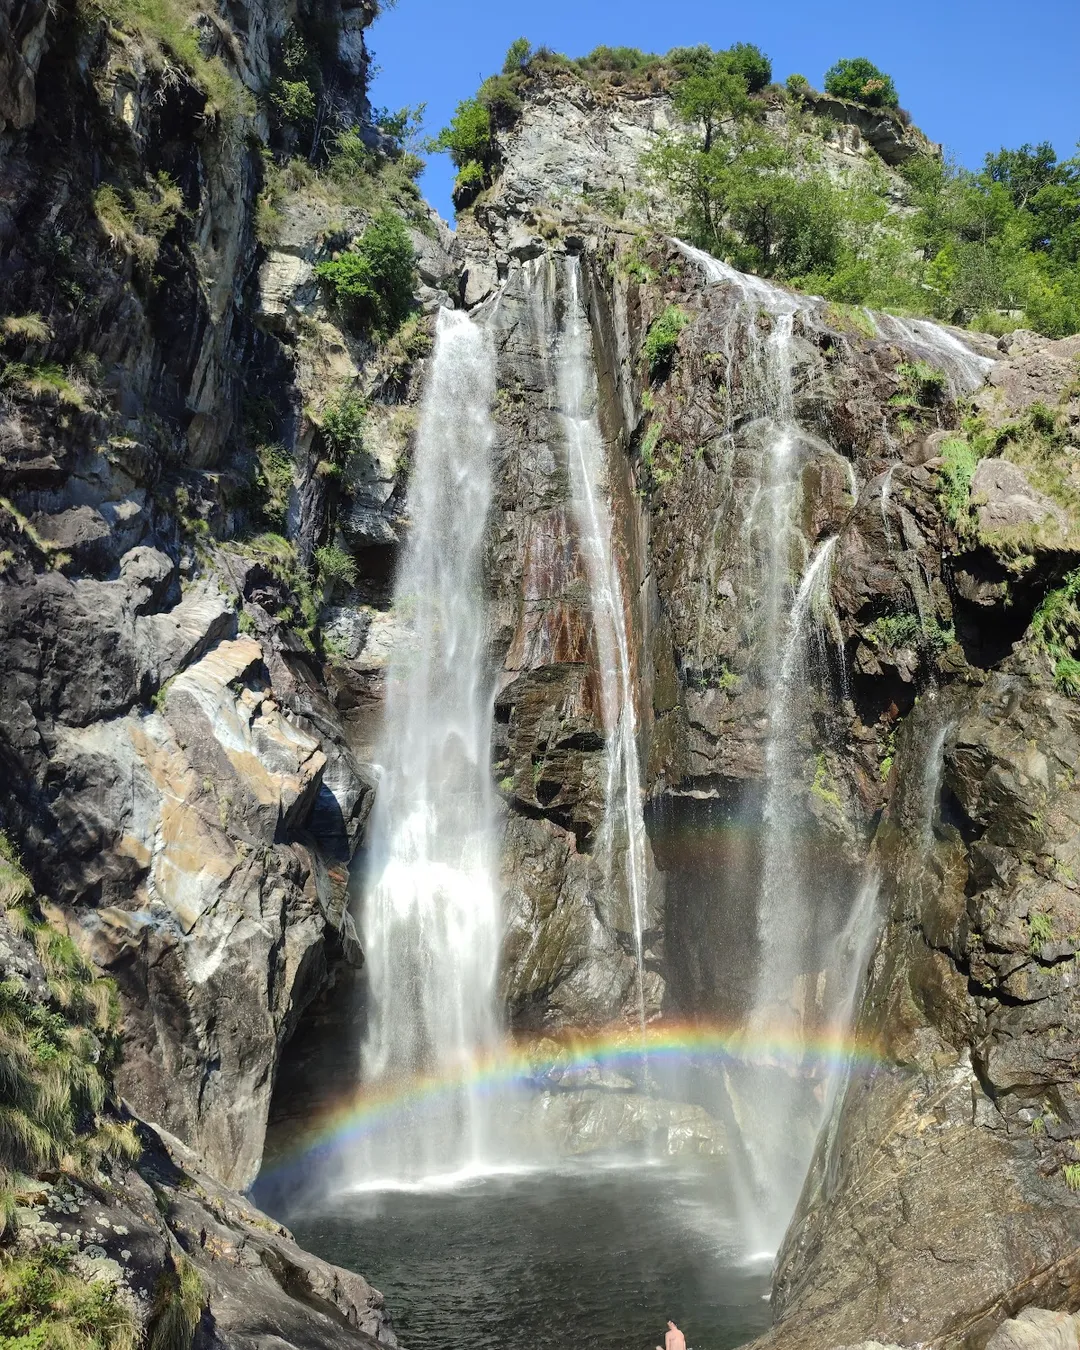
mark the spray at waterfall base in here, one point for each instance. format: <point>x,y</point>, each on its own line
<point>609,1060</point>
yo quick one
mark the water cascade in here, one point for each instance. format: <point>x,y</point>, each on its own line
<point>623,828</point>
<point>779,1118</point>
<point>430,916</point>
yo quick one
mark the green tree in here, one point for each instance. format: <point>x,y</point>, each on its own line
<point>858,79</point>
<point>518,56</point>
<point>710,92</point>
<point>1025,171</point>
<point>751,63</point>
<point>373,281</point>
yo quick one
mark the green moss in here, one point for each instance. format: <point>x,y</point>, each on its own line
<point>824,786</point>
<point>662,339</point>
<point>959,462</point>
<point>1041,929</point>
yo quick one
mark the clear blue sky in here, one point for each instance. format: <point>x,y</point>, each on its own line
<point>975,74</point>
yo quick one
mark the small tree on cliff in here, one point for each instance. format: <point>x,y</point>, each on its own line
<point>861,81</point>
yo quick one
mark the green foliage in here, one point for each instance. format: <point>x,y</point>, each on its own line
<point>336,567</point>
<point>167,24</point>
<point>959,462</point>
<point>139,219</point>
<point>518,56</point>
<point>1067,675</point>
<point>750,63</point>
<point>711,89</point>
<point>373,282</point>
<point>1055,629</point>
<point>1071,1173</point>
<point>620,60</point>
<point>824,785</point>
<point>56,1060</point>
<point>15,884</point>
<point>294,102</point>
<point>179,1299</point>
<point>1001,241</point>
<point>1041,929</point>
<point>278,555</point>
<point>858,79</point>
<point>41,383</point>
<point>44,1305</point>
<point>921,385</point>
<point>892,631</point>
<point>273,484</point>
<point>797,84</point>
<point>27,327</point>
<point>662,339</point>
<point>343,426</point>
<point>467,138</point>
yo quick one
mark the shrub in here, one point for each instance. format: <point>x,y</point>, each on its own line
<point>140,219</point>
<point>336,567</point>
<point>797,84</point>
<point>663,338</point>
<point>273,484</point>
<point>860,80</point>
<point>467,139</point>
<point>470,179</point>
<point>44,1305</point>
<point>518,56</point>
<point>893,631</point>
<point>954,479</point>
<point>373,281</point>
<point>293,102</point>
<point>751,64</point>
<point>1055,628</point>
<point>623,60</point>
<point>343,426</point>
<point>179,1298</point>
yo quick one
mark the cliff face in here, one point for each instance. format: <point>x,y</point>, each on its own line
<point>941,768</point>
<point>189,771</point>
<point>184,792</point>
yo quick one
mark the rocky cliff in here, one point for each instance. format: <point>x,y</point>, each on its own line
<point>943,765</point>
<point>186,726</point>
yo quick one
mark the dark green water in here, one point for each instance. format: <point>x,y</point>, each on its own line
<point>595,1258</point>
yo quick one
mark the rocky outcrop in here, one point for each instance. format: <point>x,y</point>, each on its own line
<point>968,1003</point>
<point>181,783</point>
<point>146,1229</point>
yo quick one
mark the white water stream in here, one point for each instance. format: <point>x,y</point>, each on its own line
<point>430,916</point>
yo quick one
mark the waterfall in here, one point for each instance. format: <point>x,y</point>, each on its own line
<point>777,1109</point>
<point>430,915</point>
<point>623,826</point>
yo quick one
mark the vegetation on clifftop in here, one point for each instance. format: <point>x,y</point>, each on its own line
<point>750,180</point>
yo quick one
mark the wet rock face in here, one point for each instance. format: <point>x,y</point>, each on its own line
<point>973,1002</point>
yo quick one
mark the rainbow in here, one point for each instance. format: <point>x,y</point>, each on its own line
<point>550,1063</point>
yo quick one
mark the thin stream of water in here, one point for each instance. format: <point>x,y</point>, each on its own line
<point>623,827</point>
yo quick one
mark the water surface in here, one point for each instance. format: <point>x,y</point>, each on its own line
<point>597,1257</point>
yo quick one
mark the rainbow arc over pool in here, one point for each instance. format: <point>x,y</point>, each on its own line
<point>553,1064</point>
